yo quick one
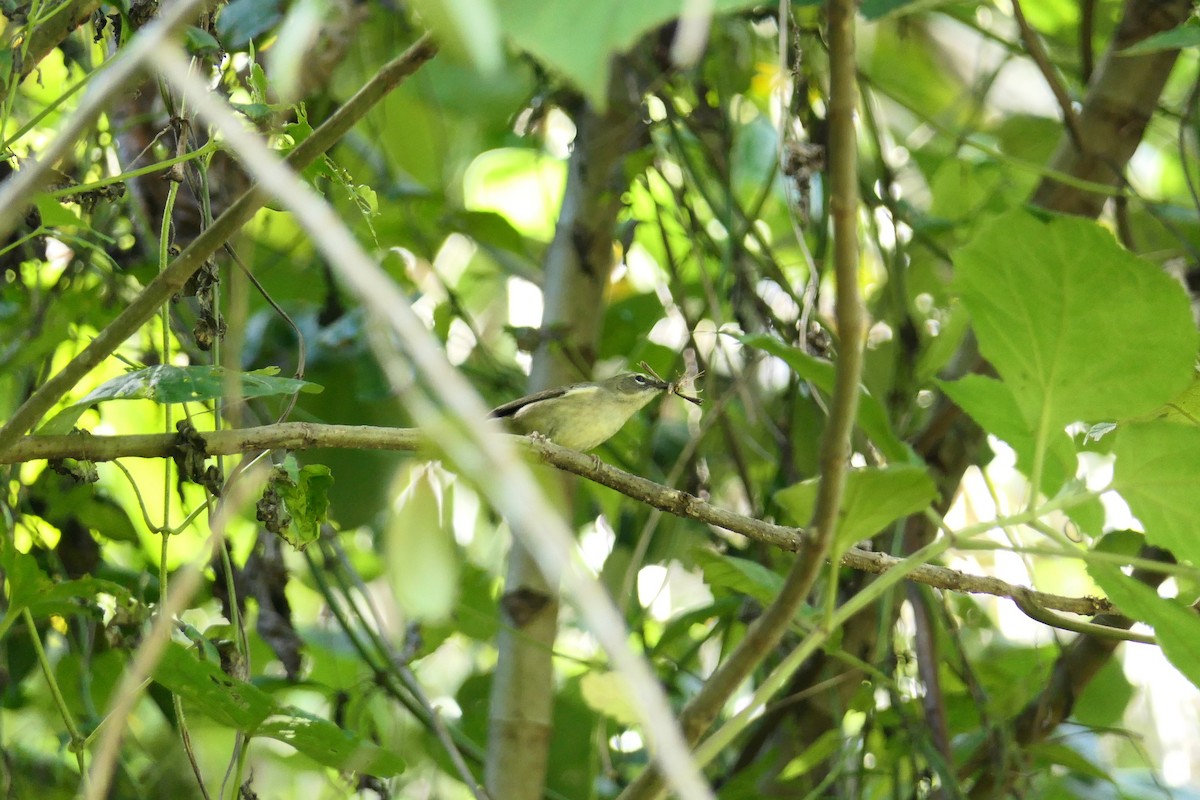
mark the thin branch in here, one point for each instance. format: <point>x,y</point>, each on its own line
<point>1037,52</point>
<point>764,635</point>
<point>1036,612</point>
<point>309,436</point>
<point>1087,29</point>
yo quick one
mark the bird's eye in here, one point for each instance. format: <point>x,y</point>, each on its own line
<point>639,380</point>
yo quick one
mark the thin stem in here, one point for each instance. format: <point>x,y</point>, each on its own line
<point>77,740</point>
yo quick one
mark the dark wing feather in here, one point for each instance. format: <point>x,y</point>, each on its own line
<point>512,407</point>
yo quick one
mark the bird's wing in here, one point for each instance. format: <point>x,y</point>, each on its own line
<point>512,407</point>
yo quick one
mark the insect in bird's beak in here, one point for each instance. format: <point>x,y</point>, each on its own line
<point>675,387</point>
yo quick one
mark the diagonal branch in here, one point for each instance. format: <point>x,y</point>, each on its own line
<point>172,279</point>
<point>767,631</point>
<point>1037,51</point>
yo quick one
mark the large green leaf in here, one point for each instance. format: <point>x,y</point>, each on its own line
<point>244,707</point>
<point>992,405</point>
<point>1076,326</point>
<point>579,40</point>
<point>873,499</point>
<point>1158,473</point>
<point>165,383</point>
<point>424,565</point>
<point>1177,628</point>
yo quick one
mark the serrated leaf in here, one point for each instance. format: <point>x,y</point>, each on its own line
<point>246,708</point>
<point>1157,472</point>
<point>872,416</point>
<point>1183,408</point>
<point>873,499</point>
<point>1076,326</point>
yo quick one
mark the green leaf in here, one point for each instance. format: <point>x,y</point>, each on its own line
<point>200,42</point>
<point>1051,754</point>
<point>740,575</point>
<point>1177,628</point>
<point>55,215</point>
<point>255,112</point>
<point>1157,472</point>
<point>423,560</point>
<point>874,498</point>
<point>246,708</point>
<point>992,404</point>
<point>243,20</point>
<point>468,29</point>
<point>816,754</point>
<point>1076,326</point>
<point>1103,701</point>
<point>66,500</point>
<point>28,587</point>
<point>607,693</point>
<point>305,496</point>
<point>170,384</point>
<point>1186,35</point>
<point>551,32</point>
<point>872,416</point>
<point>1184,407</point>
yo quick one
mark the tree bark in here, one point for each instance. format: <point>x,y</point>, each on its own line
<point>578,265</point>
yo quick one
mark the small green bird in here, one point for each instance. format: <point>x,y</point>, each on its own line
<point>582,416</point>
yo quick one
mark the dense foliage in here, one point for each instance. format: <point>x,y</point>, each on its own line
<point>200,603</point>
